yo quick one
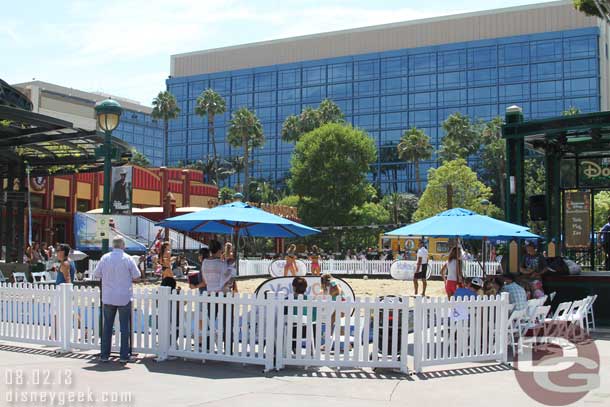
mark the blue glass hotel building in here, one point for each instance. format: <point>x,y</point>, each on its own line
<point>386,79</point>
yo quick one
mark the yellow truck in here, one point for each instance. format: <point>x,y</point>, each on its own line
<point>438,248</point>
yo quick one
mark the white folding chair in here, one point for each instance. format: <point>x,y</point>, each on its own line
<point>552,296</point>
<point>19,277</point>
<point>536,321</point>
<point>514,329</point>
<point>589,314</point>
<point>577,315</point>
<point>561,312</point>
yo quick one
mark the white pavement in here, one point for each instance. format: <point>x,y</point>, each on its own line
<point>36,371</point>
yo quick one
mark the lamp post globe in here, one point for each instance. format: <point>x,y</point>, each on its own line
<point>108,113</point>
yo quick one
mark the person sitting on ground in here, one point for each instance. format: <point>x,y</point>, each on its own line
<point>516,293</point>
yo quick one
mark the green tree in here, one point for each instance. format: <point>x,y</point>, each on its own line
<point>210,104</point>
<point>329,167</point>
<point>238,164</point>
<point>592,8</point>
<point>139,159</point>
<point>401,206</point>
<point>602,209</point>
<point>468,191</point>
<point>165,108</point>
<point>493,159</point>
<point>225,195</point>
<point>572,111</point>
<point>310,119</point>
<point>367,214</point>
<point>290,200</point>
<point>462,138</point>
<point>415,146</point>
<point>246,131</point>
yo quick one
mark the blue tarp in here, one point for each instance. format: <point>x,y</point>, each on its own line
<point>463,223</point>
<point>227,219</point>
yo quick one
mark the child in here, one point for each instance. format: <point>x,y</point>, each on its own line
<point>230,285</point>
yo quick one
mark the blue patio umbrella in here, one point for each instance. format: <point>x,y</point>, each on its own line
<point>238,219</point>
<point>463,223</point>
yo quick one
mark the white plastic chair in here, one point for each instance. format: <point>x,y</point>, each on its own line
<point>578,314</point>
<point>589,314</point>
<point>19,277</point>
<point>536,321</point>
<point>514,329</point>
<point>561,312</point>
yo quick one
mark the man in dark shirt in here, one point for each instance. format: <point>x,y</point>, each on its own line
<point>533,264</point>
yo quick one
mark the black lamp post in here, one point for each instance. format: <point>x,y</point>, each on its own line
<point>108,114</point>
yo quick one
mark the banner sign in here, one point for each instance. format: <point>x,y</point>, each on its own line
<point>594,172</point>
<point>282,287</point>
<point>403,270</point>
<point>577,219</point>
<point>120,196</point>
<point>276,268</point>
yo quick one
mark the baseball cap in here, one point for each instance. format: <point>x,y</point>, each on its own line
<point>478,281</point>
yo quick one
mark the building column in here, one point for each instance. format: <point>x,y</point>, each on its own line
<point>164,185</point>
<point>10,218</point>
<point>48,205</point>
<point>21,217</point>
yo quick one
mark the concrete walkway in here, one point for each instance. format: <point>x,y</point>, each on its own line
<point>192,383</point>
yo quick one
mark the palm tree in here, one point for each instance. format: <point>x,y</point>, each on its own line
<point>245,131</point>
<point>238,165</point>
<point>211,103</point>
<point>165,108</point>
<point>413,147</point>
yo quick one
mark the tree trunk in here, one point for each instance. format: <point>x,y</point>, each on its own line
<point>165,141</point>
<point>246,168</point>
<point>417,179</point>
<point>212,136</point>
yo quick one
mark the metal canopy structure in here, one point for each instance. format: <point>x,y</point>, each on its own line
<point>42,145</point>
<point>574,147</point>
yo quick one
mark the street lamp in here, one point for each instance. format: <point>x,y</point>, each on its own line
<point>485,203</point>
<point>108,114</point>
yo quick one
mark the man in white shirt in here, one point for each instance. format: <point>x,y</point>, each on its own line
<point>421,269</point>
<point>117,270</point>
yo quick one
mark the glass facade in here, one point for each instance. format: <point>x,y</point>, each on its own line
<point>388,92</point>
<point>143,133</point>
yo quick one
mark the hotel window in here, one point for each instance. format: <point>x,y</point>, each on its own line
<point>288,96</point>
<point>314,75</point>
<point>340,72</point>
<point>582,86</point>
<point>394,85</point>
<point>515,92</point>
<point>242,84</point>
<point>452,79</point>
<point>452,60</point>
<point>482,57</point>
<point>264,81</point>
<point>487,94</point>
<point>422,63</point>
<point>545,71</point>
<point>313,93</point>
<point>580,67</point>
<point>365,105</point>
<point>366,69</point>
<point>580,47</point>
<point>508,74</point>
<point>550,89</point>
<point>290,78</point>
<point>546,50</point>
<point>422,82</point>
<point>422,100</point>
<point>394,66</point>
<point>366,88</point>
<point>394,102</point>
<point>509,54</point>
<point>585,105</point>
<point>340,90</point>
<point>221,85</point>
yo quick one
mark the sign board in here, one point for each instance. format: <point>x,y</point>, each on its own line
<point>403,270</point>
<point>102,227</point>
<point>594,172</point>
<point>276,268</point>
<point>282,287</point>
<point>120,195</point>
<point>577,219</point>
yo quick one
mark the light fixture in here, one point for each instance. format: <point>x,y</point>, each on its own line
<point>108,114</point>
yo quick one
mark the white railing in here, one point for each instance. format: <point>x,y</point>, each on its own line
<point>370,267</point>
<point>460,330</point>
<point>361,333</point>
<point>272,332</point>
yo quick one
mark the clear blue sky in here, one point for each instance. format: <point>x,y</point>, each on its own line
<point>123,46</point>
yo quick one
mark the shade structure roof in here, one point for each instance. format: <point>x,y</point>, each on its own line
<point>51,146</point>
<point>463,223</point>
<point>238,217</point>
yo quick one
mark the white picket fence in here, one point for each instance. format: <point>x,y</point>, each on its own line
<point>271,332</point>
